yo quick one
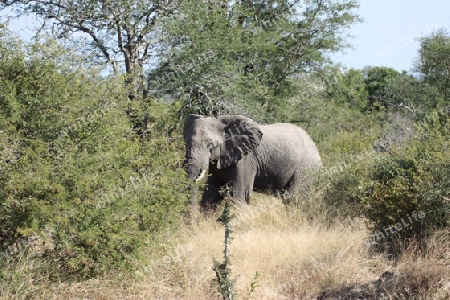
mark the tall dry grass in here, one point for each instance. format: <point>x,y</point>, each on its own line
<point>299,256</point>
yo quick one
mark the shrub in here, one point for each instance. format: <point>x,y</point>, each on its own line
<point>407,193</point>
<point>74,173</point>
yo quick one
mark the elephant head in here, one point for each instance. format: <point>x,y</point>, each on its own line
<point>222,141</point>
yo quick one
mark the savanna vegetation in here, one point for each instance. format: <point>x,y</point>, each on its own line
<point>94,203</point>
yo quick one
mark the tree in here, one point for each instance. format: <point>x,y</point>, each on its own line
<point>243,56</point>
<point>434,61</point>
<point>348,88</point>
<point>124,34</point>
<point>378,81</point>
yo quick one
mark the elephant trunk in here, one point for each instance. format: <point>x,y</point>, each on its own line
<point>194,170</point>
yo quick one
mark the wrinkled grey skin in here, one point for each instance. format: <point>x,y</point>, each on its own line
<point>235,150</point>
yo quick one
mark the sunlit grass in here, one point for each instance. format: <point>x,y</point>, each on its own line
<point>297,259</point>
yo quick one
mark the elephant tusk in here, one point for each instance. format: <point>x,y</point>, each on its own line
<point>202,174</point>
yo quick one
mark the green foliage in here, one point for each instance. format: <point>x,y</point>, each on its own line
<point>378,81</point>
<point>412,180</point>
<point>352,154</point>
<point>348,88</point>
<point>434,61</point>
<point>389,188</point>
<point>330,110</point>
<point>72,170</point>
<point>118,35</point>
<point>343,182</point>
<point>240,57</point>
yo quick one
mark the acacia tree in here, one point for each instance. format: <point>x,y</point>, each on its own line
<point>227,55</point>
<point>124,33</point>
<point>243,56</point>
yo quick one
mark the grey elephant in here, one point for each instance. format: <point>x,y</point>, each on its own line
<point>235,150</point>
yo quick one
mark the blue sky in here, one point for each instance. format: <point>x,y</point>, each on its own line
<point>387,37</point>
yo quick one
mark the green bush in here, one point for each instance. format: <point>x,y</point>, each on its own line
<point>74,173</point>
<point>392,189</point>
<point>407,194</point>
<point>343,183</point>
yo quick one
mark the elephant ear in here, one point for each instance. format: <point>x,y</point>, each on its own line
<point>242,135</point>
<point>188,125</point>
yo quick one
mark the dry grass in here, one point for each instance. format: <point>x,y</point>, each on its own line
<point>297,259</point>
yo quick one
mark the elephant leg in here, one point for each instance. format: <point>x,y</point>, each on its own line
<point>242,191</point>
<point>301,180</point>
<point>294,184</point>
<point>243,184</point>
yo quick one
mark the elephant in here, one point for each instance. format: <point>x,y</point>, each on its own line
<point>235,150</point>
